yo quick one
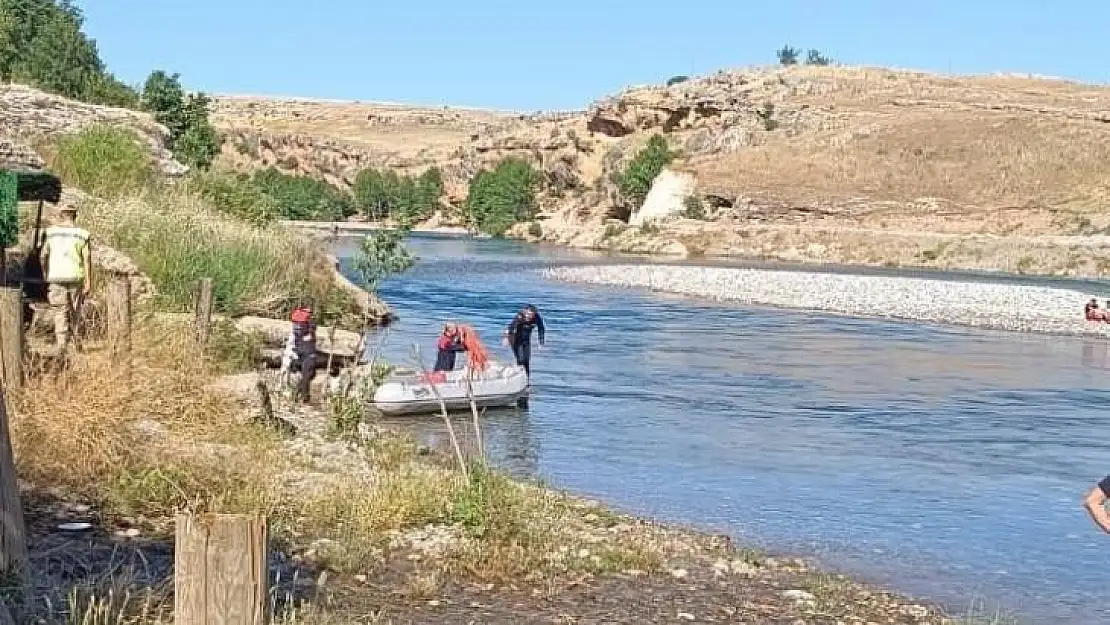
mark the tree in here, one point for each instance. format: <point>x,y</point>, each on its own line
<point>41,43</point>
<point>814,57</point>
<point>408,200</point>
<point>788,55</point>
<point>636,179</point>
<point>9,209</point>
<point>302,197</point>
<point>674,80</point>
<point>193,139</point>
<point>381,254</point>
<point>501,197</point>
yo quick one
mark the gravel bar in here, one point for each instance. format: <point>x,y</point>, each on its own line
<point>1018,308</point>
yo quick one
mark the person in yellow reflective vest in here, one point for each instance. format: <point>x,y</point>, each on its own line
<point>67,263</point>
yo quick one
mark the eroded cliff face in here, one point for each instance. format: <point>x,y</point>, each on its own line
<point>825,164</point>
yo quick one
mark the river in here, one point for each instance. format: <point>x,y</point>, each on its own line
<point>942,462</point>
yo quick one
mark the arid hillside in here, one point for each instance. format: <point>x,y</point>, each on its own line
<point>824,164</point>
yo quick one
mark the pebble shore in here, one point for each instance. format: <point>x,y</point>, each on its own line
<point>1020,308</point>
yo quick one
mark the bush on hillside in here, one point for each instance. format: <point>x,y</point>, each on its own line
<point>302,197</point>
<point>381,254</point>
<point>385,193</point>
<point>635,181</point>
<point>193,139</point>
<point>41,44</point>
<point>104,161</point>
<point>236,195</point>
<point>502,197</point>
<point>814,57</point>
<point>674,80</point>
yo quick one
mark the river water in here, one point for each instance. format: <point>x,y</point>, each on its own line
<point>941,462</point>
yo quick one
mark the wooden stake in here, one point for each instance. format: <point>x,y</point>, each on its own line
<point>119,318</point>
<point>11,338</point>
<point>13,533</point>
<point>204,310</point>
<point>221,573</point>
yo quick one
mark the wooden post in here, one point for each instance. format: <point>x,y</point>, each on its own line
<point>204,310</point>
<point>13,537</point>
<point>11,338</point>
<point>119,319</point>
<point>221,573</point>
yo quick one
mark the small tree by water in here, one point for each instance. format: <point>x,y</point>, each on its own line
<point>381,254</point>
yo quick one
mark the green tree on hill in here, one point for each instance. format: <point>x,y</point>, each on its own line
<point>41,44</point>
<point>193,139</point>
<point>506,195</point>
<point>304,198</point>
<point>814,57</point>
<point>636,179</point>
<point>788,55</point>
<point>385,193</point>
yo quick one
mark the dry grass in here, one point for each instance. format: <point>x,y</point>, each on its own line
<point>972,144</point>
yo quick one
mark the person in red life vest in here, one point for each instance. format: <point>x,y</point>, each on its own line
<point>1092,312</point>
<point>304,346</point>
<point>449,345</point>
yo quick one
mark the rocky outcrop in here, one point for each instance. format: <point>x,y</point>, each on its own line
<point>29,114</point>
<point>17,156</point>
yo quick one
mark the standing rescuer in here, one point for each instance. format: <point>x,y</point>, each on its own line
<point>67,263</point>
<point>519,335</point>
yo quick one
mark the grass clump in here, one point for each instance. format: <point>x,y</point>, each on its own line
<point>104,161</point>
<point>177,239</point>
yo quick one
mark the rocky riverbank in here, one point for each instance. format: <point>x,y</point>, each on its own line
<point>1012,307</point>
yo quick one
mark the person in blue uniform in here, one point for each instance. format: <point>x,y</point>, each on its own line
<point>519,335</point>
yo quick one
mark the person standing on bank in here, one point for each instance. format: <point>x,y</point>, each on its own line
<point>67,265</point>
<point>304,346</point>
<point>519,335</point>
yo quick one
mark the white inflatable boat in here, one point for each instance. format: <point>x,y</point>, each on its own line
<point>410,392</point>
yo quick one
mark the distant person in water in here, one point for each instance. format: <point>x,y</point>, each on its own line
<point>519,335</point>
<point>1096,504</point>
<point>448,346</point>
<point>1093,313</point>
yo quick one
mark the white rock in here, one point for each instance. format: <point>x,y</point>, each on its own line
<point>799,596</point>
<point>679,573</point>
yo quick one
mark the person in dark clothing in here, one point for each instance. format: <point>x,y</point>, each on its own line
<point>449,345</point>
<point>304,346</point>
<point>519,335</point>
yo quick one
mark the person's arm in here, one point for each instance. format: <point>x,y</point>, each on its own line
<point>511,331</point>
<point>1096,504</point>
<point>540,329</point>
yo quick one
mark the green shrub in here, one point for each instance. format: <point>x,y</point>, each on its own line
<point>380,193</point>
<point>502,197</point>
<point>535,229</point>
<point>788,55</point>
<point>693,208</point>
<point>635,181</point>
<point>193,139</point>
<point>9,209</point>
<point>814,57</point>
<point>104,161</point>
<point>237,195</point>
<point>381,254</point>
<point>302,197</point>
<point>674,80</point>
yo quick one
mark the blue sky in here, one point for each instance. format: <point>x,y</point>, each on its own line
<point>561,55</point>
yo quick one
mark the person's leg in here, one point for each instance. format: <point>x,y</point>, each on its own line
<point>75,299</point>
<point>57,297</point>
<point>524,359</point>
<point>308,372</point>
